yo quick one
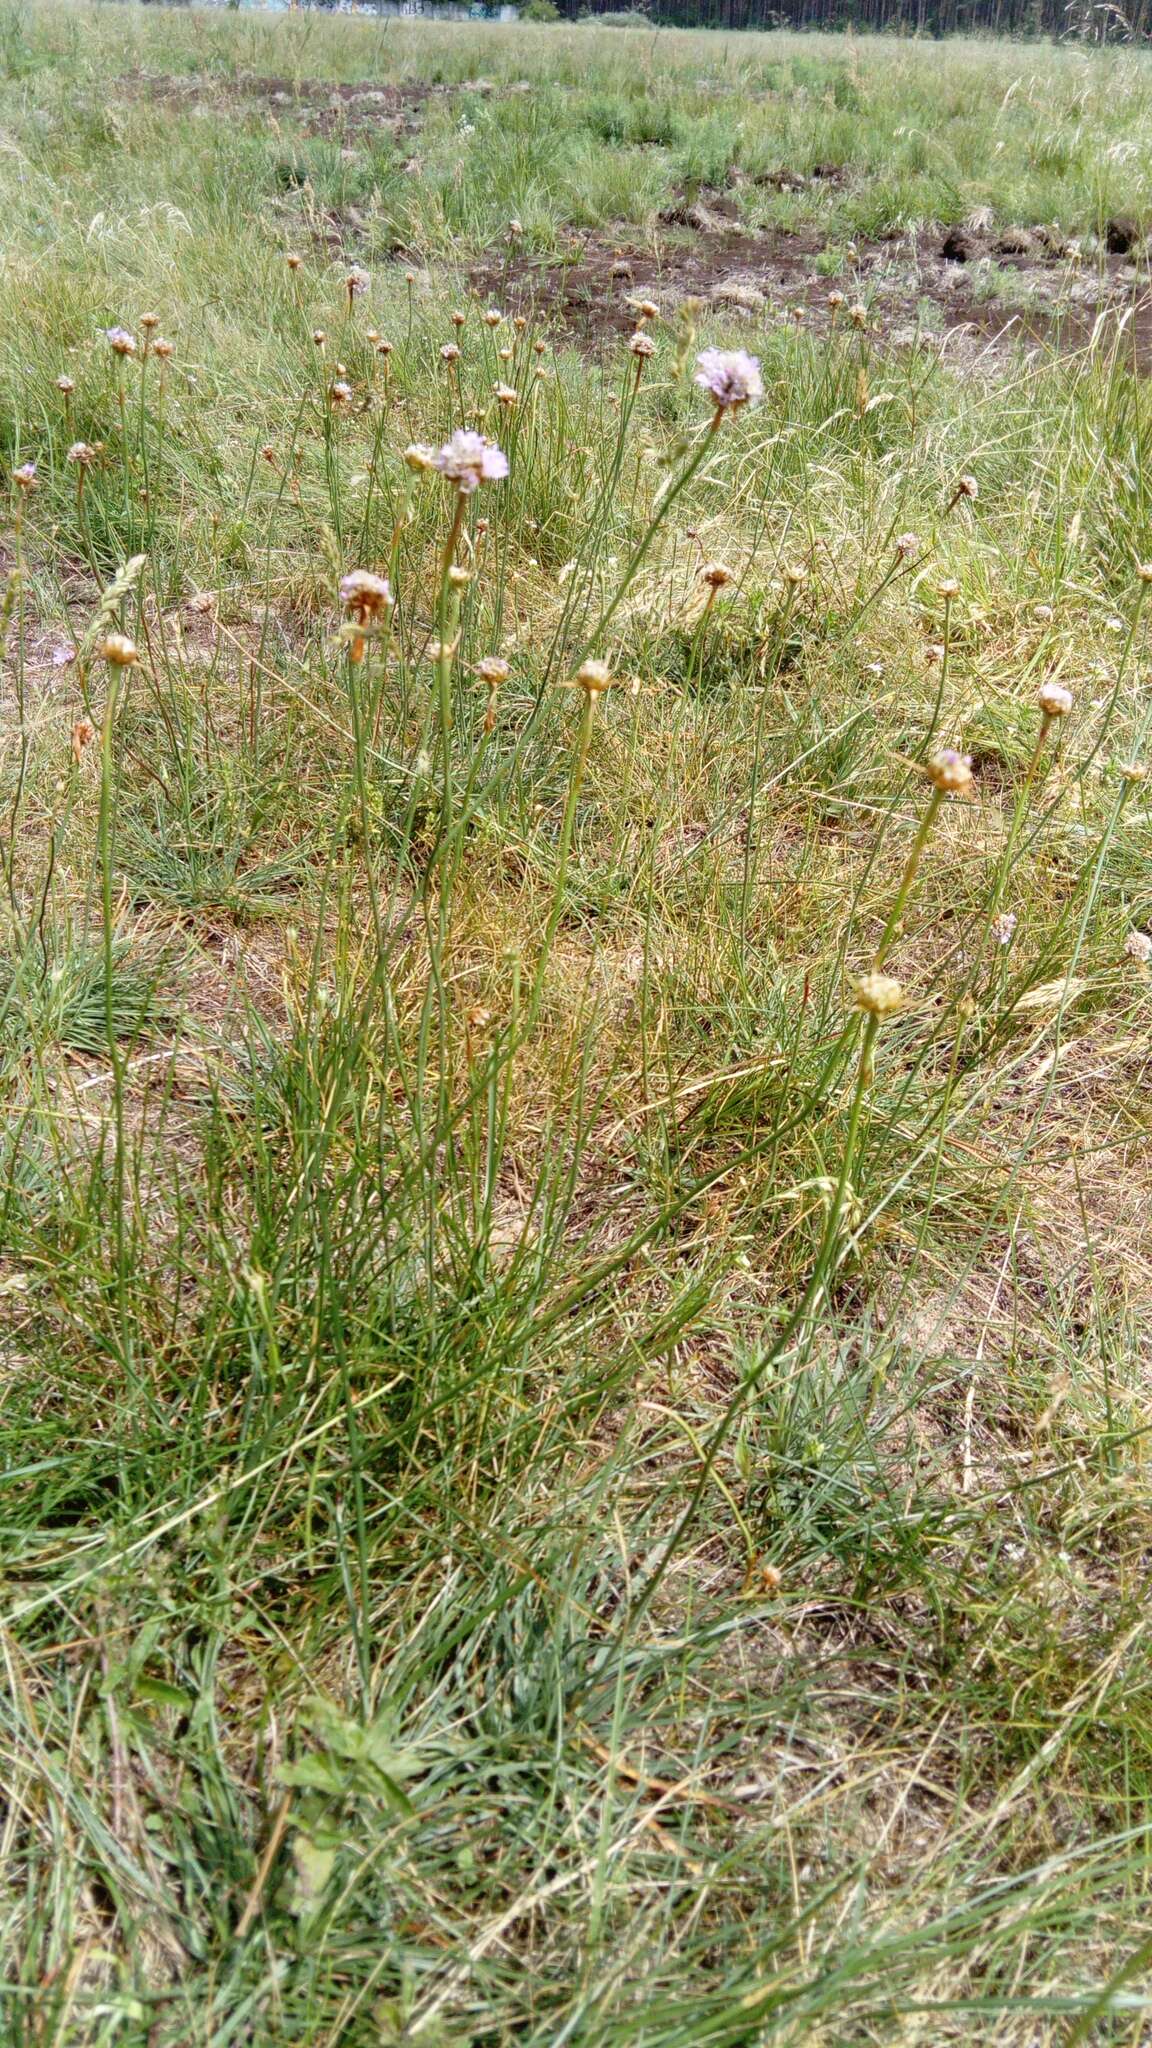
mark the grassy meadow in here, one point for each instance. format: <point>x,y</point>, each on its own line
<point>575,1276</point>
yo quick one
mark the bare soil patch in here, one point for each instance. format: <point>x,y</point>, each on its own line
<point>1006,290</point>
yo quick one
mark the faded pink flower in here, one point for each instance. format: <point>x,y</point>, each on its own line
<point>730,376</point>
<point>468,461</point>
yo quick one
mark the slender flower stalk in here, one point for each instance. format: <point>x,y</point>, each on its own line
<point>950,774</point>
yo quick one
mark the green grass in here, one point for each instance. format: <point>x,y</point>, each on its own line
<point>563,1485</point>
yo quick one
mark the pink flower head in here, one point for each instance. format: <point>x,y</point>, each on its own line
<point>730,376</point>
<point>120,341</point>
<point>468,461</point>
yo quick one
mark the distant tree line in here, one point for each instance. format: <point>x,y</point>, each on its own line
<point>1082,20</point>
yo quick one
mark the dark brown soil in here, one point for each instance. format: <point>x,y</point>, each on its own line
<point>908,286</point>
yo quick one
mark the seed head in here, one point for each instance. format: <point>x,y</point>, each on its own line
<point>1138,946</point>
<point>1054,700</point>
<point>794,574</point>
<point>1144,571</point>
<point>82,453</point>
<point>468,461</point>
<point>642,345</point>
<point>493,318</point>
<point>515,227</point>
<point>878,995</point>
<point>908,546</point>
<point>967,487</point>
<point>948,588</point>
<point>357,282</point>
<point>319,336</point>
<point>340,393</point>
<point>119,650</point>
<point>120,341</point>
<point>647,309</point>
<point>731,377</point>
<point>1003,927</point>
<point>715,575</point>
<point>493,670</point>
<point>83,734</point>
<point>450,353</point>
<point>383,348</point>
<point>505,394</point>
<point>1134,771</point>
<point>161,348</point>
<point>858,315</point>
<point>933,653</point>
<point>292,260</point>
<point>65,385</point>
<point>594,677</point>
<point>24,478</point>
<point>950,771</point>
<point>149,322</point>
<point>835,301</point>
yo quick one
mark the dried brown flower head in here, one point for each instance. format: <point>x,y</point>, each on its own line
<point>878,995</point>
<point>1054,699</point>
<point>119,650</point>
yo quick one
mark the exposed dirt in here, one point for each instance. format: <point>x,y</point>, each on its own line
<point>973,288</point>
<point>1005,290</point>
<point>316,105</point>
